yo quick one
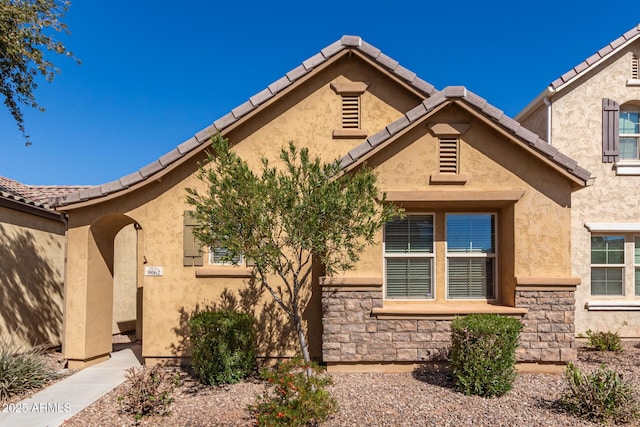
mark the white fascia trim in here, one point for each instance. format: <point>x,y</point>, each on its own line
<point>546,93</point>
<point>613,305</point>
<point>618,227</point>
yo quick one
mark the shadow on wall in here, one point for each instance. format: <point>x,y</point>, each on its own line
<point>274,332</point>
<point>31,291</point>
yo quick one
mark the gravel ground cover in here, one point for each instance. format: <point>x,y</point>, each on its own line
<point>424,397</point>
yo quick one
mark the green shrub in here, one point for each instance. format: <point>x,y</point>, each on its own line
<point>22,368</point>
<point>148,392</point>
<point>604,341</point>
<point>482,358</point>
<point>602,395</point>
<point>222,346</point>
<point>293,398</point>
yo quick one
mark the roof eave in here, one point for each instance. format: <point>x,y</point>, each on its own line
<point>537,101</point>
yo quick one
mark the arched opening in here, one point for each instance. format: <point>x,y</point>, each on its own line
<point>112,292</point>
<point>126,301</point>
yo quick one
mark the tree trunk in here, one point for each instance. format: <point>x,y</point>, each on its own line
<point>297,321</point>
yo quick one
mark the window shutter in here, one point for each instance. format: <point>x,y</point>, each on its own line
<point>192,248</point>
<point>610,130</point>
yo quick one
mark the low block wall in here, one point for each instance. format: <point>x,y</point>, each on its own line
<point>354,333</point>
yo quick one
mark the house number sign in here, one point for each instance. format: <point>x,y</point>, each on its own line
<point>153,271</point>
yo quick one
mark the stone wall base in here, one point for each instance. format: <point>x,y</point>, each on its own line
<point>354,335</point>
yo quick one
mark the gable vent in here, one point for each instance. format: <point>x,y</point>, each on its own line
<point>634,67</point>
<point>448,155</point>
<point>350,111</point>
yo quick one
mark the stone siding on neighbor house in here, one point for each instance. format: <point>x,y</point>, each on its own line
<point>351,334</point>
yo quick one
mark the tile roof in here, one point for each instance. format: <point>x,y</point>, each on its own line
<point>597,57</point>
<point>39,196</point>
<point>201,138</point>
<point>460,93</point>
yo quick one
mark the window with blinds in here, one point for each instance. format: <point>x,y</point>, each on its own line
<point>607,265</point>
<point>448,155</point>
<point>634,67</point>
<point>351,111</point>
<point>220,256</point>
<point>408,251</point>
<point>471,256</point>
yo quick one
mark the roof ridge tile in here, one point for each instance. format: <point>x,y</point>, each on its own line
<point>457,94</point>
<point>379,137</point>
<point>332,49</point>
<point>202,136</point>
<point>416,112</point>
<point>352,41</point>
<point>314,61</point>
<point>397,125</point>
<point>369,49</point>
<point>596,57</point>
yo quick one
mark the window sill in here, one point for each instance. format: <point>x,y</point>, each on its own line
<point>349,134</point>
<point>242,272</point>
<point>351,284</point>
<point>633,82</point>
<point>615,227</point>
<point>613,305</point>
<point>441,311</point>
<point>629,167</point>
<point>444,178</point>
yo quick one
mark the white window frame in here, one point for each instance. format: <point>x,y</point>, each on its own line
<point>636,265</point>
<point>635,136</point>
<point>623,266</point>
<point>212,260</point>
<point>467,255</point>
<point>429,255</point>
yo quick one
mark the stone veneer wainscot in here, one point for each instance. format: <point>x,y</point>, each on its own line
<point>357,329</point>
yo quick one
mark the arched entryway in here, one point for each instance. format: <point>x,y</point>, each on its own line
<point>103,265</point>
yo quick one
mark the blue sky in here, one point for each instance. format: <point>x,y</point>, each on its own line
<point>155,73</point>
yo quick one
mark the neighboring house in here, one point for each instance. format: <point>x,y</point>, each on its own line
<point>592,113</point>
<point>487,228</point>
<point>32,250</point>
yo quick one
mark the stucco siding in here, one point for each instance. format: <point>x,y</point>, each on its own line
<point>306,115</point>
<point>32,251</point>
<point>577,131</point>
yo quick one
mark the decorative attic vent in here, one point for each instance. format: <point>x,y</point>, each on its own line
<point>350,121</point>
<point>351,111</point>
<point>448,155</point>
<point>634,67</point>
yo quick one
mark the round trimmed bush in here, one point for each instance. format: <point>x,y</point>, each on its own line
<point>483,358</point>
<point>222,346</point>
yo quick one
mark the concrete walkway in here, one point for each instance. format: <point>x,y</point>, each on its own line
<point>61,401</point>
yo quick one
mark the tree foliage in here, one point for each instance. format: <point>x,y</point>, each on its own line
<point>284,220</point>
<point>27,29</point>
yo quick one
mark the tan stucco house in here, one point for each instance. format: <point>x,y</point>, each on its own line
<point>32,247</point>
<point>489,211</point>
<point>591,113</point>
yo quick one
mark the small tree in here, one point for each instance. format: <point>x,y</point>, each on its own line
<point>26,35</point>
<point>285,220</point>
